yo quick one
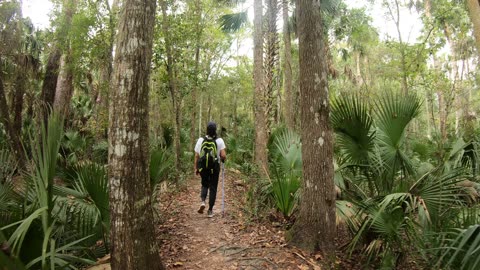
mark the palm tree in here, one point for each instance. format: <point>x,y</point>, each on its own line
<point>407,205</point>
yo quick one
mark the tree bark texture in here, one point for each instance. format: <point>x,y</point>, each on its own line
<point>474,12</point>
<point>174,92</point>
<point>315,227</point>
<point>271,59</point>
<point>64,91</point>
<point>132,234</point>
<point>259,95</point>
<point>50,83</point>
<point>287,68</point>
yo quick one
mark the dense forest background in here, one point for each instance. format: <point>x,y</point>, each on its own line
<point>404,115</point>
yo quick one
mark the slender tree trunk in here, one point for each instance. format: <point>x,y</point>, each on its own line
<point>315,227</point>
<point>50,82</point>
<point>64,91</point>
<point>235,114</point>
<point>474,12</point>
<point>200,113</point>
<point>395,15</point>
<point>442,115</point>
<point>429,128</point>
<point>259,95</point>
<point>271,58</point>
<point>172,84</point>
<point>132,234</point>
<point>193,120</point>
<point>449,98</point>
<point>18,101</point>
<point>287,68</point>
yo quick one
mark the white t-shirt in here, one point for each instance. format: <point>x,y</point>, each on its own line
<point>220,146</point>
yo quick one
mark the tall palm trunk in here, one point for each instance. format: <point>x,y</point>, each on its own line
<point>271,59</point>
<point>259,95</point>
<point>287,68</point>
<point>133,245</point>
<point>315,227</point>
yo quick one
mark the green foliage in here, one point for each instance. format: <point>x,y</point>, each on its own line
<point>74,146</point>
<point>38,231</point>
<point>393,114</point>
<point>286,172</point>
<point>7,165</point>
<point>353,126</point>
<point>233,22</point>
<point>461,249</point>
<point>161,161</point>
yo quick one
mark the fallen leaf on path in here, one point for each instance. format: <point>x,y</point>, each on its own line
<point>177,264</point>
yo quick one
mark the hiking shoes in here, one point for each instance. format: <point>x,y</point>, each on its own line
<point>210,213</point>
<point>202,207</point>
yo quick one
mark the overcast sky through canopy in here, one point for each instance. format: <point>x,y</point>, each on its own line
<point>39,10</point>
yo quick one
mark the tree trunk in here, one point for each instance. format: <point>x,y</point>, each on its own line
<point>64,91</point>
<point>474,12</point>
<point>259,96</point>
<point>287,68</point>
<point>132,234</point>
<point>172,85</point>
<point>18,101</point>
<point>271,58</point>
<point>12,133</point>
<point>193,120</point>
<point>50,83</point>
<point>442,116</point>
<point>314,228</point>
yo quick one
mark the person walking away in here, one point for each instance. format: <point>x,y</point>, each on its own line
<point>209,151</point>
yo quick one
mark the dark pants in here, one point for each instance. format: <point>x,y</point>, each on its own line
<point>210,182</point>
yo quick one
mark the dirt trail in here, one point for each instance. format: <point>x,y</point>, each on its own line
<point>194,241</point>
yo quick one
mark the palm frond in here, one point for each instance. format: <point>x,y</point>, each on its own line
<point>463,248</point>
<point>353,125</point>
<point>288,146</point>
<point>60,257</point>
<point>7,165</point>
<point>393,114</point>
<point>84,209</point>
<point>160,163</point>
<point>436,192</point>
<point>233,22</point>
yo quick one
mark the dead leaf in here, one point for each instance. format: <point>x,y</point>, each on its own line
<point>177,264</point>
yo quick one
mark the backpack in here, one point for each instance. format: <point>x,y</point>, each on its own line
<point>208,155</point>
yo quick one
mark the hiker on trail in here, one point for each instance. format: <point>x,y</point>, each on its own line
<point>209,151</point>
